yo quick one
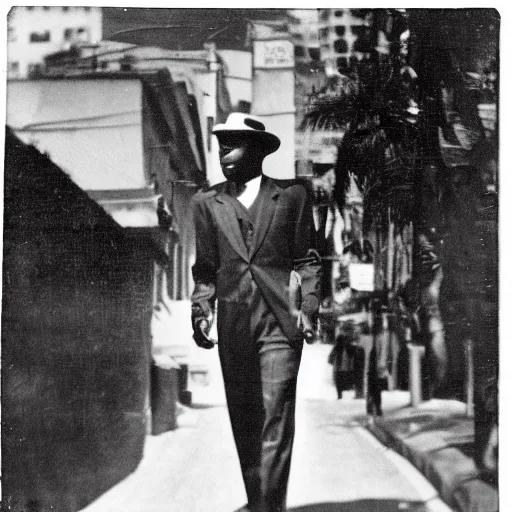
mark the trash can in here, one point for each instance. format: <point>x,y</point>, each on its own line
<point>164,394</point>
<point>184,395</point>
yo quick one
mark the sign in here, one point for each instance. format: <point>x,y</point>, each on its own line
<point>361,276</point>
<point>274,54</point>
<point>319,146</point>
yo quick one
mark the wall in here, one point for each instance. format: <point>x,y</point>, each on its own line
<point>238,75</point>
<point>470,298</point>
<point>190,67</point>
<point>273,99</point>
<point>92,129</point>
<point>77,297</point>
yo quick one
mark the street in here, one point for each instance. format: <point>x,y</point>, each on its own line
<point>337,465</point>
<point>159,161</point>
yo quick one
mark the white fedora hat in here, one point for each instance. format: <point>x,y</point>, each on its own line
<point>238,122</point>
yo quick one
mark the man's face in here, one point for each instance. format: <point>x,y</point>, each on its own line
<point>240,157</point>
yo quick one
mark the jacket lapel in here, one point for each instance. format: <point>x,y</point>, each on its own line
<point>230,226</point>
<point>265,208</point>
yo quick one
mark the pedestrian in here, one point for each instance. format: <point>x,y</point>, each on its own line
<point>252,232</point>
<point>380,359</point>
<point>341,358</point>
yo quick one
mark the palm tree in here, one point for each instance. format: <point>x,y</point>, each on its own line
<point>392,107</point>
<point>390,116</point>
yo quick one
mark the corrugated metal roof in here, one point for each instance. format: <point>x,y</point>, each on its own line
<point>184,29</point>
<point>184,154</point>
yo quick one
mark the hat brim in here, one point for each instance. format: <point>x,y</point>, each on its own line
<point>271,142</point>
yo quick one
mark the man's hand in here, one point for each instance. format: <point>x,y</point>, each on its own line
<point>201,328</point>
<point>309,311</point>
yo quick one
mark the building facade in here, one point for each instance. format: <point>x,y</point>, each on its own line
<point>76,341</point>
<point>303,27</point>
<point>34,32</point>
<point>338,32</point>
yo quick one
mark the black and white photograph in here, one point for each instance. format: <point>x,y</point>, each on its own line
<point>251,259</point>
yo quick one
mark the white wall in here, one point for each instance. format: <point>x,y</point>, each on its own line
<point>92,129</point>
<point>281,164</point>
<point>274,103</point>
<point>238,74</point>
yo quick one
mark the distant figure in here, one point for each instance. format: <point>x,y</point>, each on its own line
<point>342,358</point>
<point>379,363</point>
<point>252,234</point>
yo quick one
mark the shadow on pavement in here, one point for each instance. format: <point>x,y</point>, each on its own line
<point>432,426</point>
<point>467,448</point>
<point>364,505</point>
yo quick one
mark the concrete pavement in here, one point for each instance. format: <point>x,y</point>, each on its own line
<point>336,465</point>
<point>437,437</point>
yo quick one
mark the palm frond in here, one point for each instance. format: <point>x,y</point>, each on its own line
<point>378,114</point>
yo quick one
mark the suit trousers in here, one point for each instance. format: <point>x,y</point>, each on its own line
<point>262,412</point>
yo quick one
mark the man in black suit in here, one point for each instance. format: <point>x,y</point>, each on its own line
<point>252,233</point>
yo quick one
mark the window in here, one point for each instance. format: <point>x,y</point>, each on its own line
<point>14,67</point>
<point>338,14</point>
<point>363,43</point>
<point>40,37</point>
<point>299,51</point>
<point>82,35</point>
<point>312,35</point>
<point>34,70</point>
<point>11,35</point>
<point>314,53</point>
<point>342,64</point>
<point>324,14</point>
<point>340,30</point>
<point>324,33</point>
<point>340,46</point>
<point>358,30</point>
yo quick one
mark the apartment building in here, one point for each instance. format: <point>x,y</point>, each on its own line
<point>36,31</point>
<point>342,34</point>
<point>303,28</point>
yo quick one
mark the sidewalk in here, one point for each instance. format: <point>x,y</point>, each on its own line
<point>337,465</point>
<point>438,439</point>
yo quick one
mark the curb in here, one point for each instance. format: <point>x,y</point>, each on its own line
<point>446,467</point>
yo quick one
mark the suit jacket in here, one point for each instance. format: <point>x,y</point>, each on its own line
<point>225,267</point>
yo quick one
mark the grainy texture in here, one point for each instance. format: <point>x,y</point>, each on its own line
<point>75,340</point>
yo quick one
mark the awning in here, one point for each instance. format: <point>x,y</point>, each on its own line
<point>184,29</point>
<point>188,112</point>
<point>176,112</point>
